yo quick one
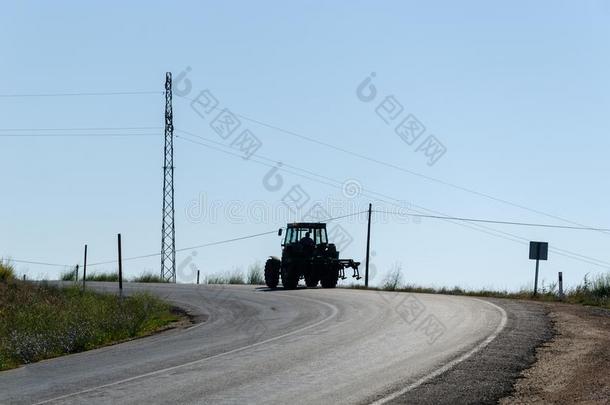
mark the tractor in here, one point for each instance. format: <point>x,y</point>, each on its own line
<point>307,254</point>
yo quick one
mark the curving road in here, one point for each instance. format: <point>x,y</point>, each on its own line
<point>260,346</point>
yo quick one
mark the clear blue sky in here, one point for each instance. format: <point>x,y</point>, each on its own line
<point>518,93</point>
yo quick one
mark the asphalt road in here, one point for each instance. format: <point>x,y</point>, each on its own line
<point>260,346</point>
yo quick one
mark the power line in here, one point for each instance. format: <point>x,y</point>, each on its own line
<point>303,137</point>
<point>9,260</point>
<point>318,142</point>
<point>343,216</point>
<point>398,168</point>
<point>226,241</point>
<point>72,135</point>
<point>337,184</point>
<point>490,221</point>
<point>343,150</point>
<point>67,132</point>
<point>85,94</point>
<point>79,129</point>
<point>220,242</point>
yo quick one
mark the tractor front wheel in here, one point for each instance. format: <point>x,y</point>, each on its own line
<point>272,273</point>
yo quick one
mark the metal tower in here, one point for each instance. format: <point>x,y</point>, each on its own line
<point>168,231</point>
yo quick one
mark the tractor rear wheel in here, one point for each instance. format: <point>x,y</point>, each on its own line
<point>329,278</point>
<point>272,273</point>
<point>290,276</point>
<point>311,280</point>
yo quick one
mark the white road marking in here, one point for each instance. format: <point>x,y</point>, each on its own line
<point>452,363</point>
<point>334,309</point>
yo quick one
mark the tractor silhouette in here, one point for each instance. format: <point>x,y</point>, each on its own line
<point>307,254</point>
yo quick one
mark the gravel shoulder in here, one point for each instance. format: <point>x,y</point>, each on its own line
<point>574,366</point>
<point>489,374</point>
<point>548,353</point>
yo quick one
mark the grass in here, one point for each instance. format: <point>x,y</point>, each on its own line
<point>216,279</point>
<point>68,275</point>
<point>7,271</point>
<point>595,291</point>
<point>255,274</point>
<point>103,277</point>
<point>236,277</point>
<point>38,321</point>
<point>233,277</point>
<point>592,292</point>
<point>148,278</point>
<point>393,280</point>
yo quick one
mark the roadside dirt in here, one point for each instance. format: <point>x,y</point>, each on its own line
<point>574,366</point>
<point>185,319</point>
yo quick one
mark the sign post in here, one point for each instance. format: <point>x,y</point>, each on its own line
<point>538,251</point>
<point>85,268</point>
<point>368,248</point>
<point>120,266</point>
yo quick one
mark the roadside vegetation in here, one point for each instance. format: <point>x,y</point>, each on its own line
<point>230,277</point>
<point>253,276</point>
<point>148,278</point>
<point>145,277</point>
<point>39,321</point>
<point>70,275</point>
<point>7,271</point>
<point>591,291</point>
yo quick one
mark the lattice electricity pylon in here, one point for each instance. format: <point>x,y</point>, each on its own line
<point>168,231</point>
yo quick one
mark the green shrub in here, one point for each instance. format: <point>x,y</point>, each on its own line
<point>7,271</point>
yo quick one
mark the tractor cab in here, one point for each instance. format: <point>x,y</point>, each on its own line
<point>295,232</point>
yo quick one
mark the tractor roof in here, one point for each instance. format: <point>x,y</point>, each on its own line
<point>308,225</point>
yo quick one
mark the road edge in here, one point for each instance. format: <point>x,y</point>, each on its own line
<point>490,373</point>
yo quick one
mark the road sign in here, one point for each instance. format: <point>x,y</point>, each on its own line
<point>539,250</point>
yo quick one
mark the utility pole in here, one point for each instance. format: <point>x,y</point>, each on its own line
<point>120,265</point>
<point>85,268</point>
<point>168,231</point>
<point>368,248</point>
